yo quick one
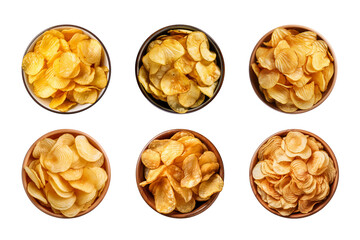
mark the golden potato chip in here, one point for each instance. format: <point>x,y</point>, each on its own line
<point>192,172</point>
<point>85,76</point>
<point>189,98</point>
<point>171,151</point>
<point>58,202</point>
<point>256,172</point>
<point>206,53</point>
<point>164,197</point>
<point>59,182</point>
<point>168,51</point>
<point>72,211</point>
<point>185,64</point>
<point>208,91</point>
<point>268,79</point>
<point>70,32</point>
<point>153,175</point>
<point>208,73</point>
<point>318,162</point>
<point>211,186</point>
<point>267,60</point>
<point>176,172</point>
<point>32,63</point>
<point>84,197</point>
<point>144,79</point>
<point>198,102</point>
<point>174,104</point>
<point>86,150</point>
<point>193,43</point>
<point>43,146</point>
<point>208,169</point>
<point>175,82</point>
<point>295,141</point>
<point>181,134</point>
<point>68,65</point>
<point>72,174</point>
<point>33,176</point>
<point>34,191</point>
<point>86,182</point>
<point>185,193</point>
<point>49,46</point>
<point>42,88</point>
<point>298,102</point>
<point>57,101</point>
<point>183,206</point>
<point>306,92</point>
<point>75,40</point>
<point>100,79</point>
<point>89,51</point>
<point>58,159</point>
<point>277,35</point>
<point>279,93</point>
<point>150,159</point>
<point>86,97</point>
<point>286,61</point>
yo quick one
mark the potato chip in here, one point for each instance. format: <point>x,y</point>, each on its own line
<point>189,98</point>
<point>34,191</point>
<point>59,182</point>
<point>168,51</point>
<point>185,193</point>
<point>49,46</point>
<point>100,79</point>
<point>58,202</point>
<point>86,150</point>
<point>164,197</point>
<point>208,169</point>
<point>72,211</point>
<point>277,35</point>
<point>318,162</point>
<point>174,104</point>
<point>192,172</point>
<point>32,63</point>
<point>89,51</point>
<point>176,172</point>
<point>43,146</point>
<point>171,151</point>
<point>279,93</point>
<point>175,82</point>
<point>150,159</point>
<point>183,206</point>
<point>295,141</point>
<point>58,159</point>
<point>72,174</point>
<point>208,73</point>
<point>193,43</point>
<point>68,65</point>
<point>88,97</point>
<point>206,53</point>
<point>268,79</point>
<point>85,76</point>
<point>33,176</point>
<point>211,186</point>
<point>153,175</point>
<point>86,182</point>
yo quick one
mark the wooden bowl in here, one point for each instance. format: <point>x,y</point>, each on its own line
<point>147,195</point>
<point>164,31</point>
<point>45,102</point>
<point>317,206</point>
<point>55,134</point>
<point>254,79</point>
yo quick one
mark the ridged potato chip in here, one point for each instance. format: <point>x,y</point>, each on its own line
<point>290,177</point>
<point>164,197</point>
<point>213,185</point>
<point>62,59</point>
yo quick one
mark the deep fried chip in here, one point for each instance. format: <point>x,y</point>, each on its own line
<point>211,186</point>
<point>192,172</point>
<point>32,63</point>
<point>150,159</point>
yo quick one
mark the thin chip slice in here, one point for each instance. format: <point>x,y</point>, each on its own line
<point>74,210</point>
<point>68,63</point>
<point>268,79</point>
<point>72,174</point>
<point>185,193</point>
<point>189,98</point>
<point>32,63</point>
<point>193,43</point>
<point>295,141</point>
<point>33,176</point>
<point>90,51</point>
<point>182,205</point>
<point>86,182</point>
<point>208,169</point>
<point>150,159</point>
<point>100,79</point>
<point>58,159</point>
<point>86,150</point>
<point>164,197</point>
<point>88,97</point>
<point>213,185</point>
<point>287,61</point>
<point>43,146</point>
<point>171,151</point>
<point>49,46</point>
<point>208,73</point>
<point>192,172</point>
<point>174,104</point>
<point>34,191</point>
<point>175,82</point>
<point>153,175</point>
<point>206,53</point>
<point>58,202</point>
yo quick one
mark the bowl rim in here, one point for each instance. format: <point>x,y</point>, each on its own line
<point>106,167</point>
<point>92,36</point>
<point>142,52</point>
<point>255,83</point>
<point>317,206</point>
<point>140,177</point>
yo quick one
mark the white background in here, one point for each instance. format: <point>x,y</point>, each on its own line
<point>123,121</point>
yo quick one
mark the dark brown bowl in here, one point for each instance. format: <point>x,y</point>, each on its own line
<point>317,206</point>
<point>255,82</point>
<point>164,31</point>
<point>147,195</point>
<point>55,134</point>
<point>45,102</point>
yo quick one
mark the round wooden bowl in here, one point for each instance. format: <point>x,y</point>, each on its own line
<point>147,195</point>
<point>255,82</point>
<point>45,102</point>
<point>55,134</point>
<point>317,206</point>
<point>164,31</point>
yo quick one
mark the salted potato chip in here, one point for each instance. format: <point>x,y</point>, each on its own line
<point>164,197</point>
<point>206,53</point>
<point>68,65</point>
<point>193,43</point>
<point>57,101</point>
<point>100,79</point>
<point>86,182</point>
<point>208,73</point>
<point>190,97</point>
<point>175,82</point>
<point>89,51</point>
<point>49,46</point>
<point>183,206</point>
<point>171,151</point>
<point>43,146</point>
<point>279,93</point>
<point>208,169</point>
<point>72,174</point>
<point>86,97</point>
<point>57,202</point>
<point>85,76</point>
<point>36,193</point>
<point>86,150</point>
<point>175,105</point>
<point>211,186</point>
<point>150,159</point>
<point>58,159</point>
<point>192,172</point>
<point>268,79</point>
<point>181,134</point>
<point>72,211</point>
<point>144,79</point>
<point>185,64</point>
<point>33,176</point>
<point>168,51</point>
<point>153,175</point>
<point>185,193</point>
<point>32,63</point>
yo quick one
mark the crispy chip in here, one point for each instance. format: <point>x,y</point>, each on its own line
<point>32,63</point>
<point>192,172</point>
<point>150,159</point>
<point>86,150</point>
<point>211,186</point>
<point>36,193</point>
<point>164,197</point>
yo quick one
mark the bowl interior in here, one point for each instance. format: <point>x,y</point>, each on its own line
<point>164,31</point>
<point>318,206</point>
<point>55,134</point>
<point>254,79</point>
<point>105,61</point>
<point>147,195</point>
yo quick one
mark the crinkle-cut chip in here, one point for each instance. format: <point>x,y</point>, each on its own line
<point>318,94</point>
<point>67,65</point>
<point>58,100</point>
<point>208,74</point>
<point>308,66</point>
<point>55,33</point>
<point>295,141</point>
<point>153,175</point>
<point>318,162</point>
<point>70,32</point>
<point>164,197</point>
<point>279,93</point>
<point>86,97</point>
<point>84,197</point>
<point>306,92</point>
<point>36,192</point>
<point>55,80</point>
<point>86,182</point>
<point>89,51</point>
<point>207,157</point>
<point>319,80</point>
<point>208,169</point>
<point>75,39</point>
<point>308,36</point>
<point>301,82</point>
<point>320,61</point>
<point>69,87</point>
<point>260,51</point>
<point>281,168</point>
<point>58,202</point>
<point>277,35</point>
<point>305,206</point>
<point>167,52</point>
<point>267,59</point>
<point>42,88</point>
<point>100,79</point>
<point>268,79</point>
<point>174,82</point>
<point>281,46</point>
<point>72,211</point>
<point>59,159</point>
<point>49,46</point>
<point>328,72</point>
<point>297,75</point>
<point>193,43</point>
<point>206,53</point>
<point>176,172</point>
<point>185,193</point>
<point>256,172</point>
<point>188,98</point>
<point>301,103</point>
<point>32,63</point>
<point>158,145</point>
<point>39,75</point>
<point>198,102</point>
<point>171,151</point>
<point>255,69</point>
<point>181,134</point>
<point>85,76</point>
<point>64,45</point>
<point>86,150</point>
<point>189,141</point>
<point>66,106</point>
<point>150,159</point>
<point>144,79</point>
<point>174,104</point>
<point>183,206</point>
<point>320,46</point>
<point>192,172</point>
<point>72,174</point>
<point>60,183</point>
<point>155,78</point>
<point>299,169</point>
<point>33,176</point>
<point>185,64</point>
<point>287,61</point>
<point>214,185</point>
<point>43,146</point>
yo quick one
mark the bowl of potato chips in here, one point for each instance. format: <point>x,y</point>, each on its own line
<point>179,69</point>
<point>66,69</point>
<point>66,173</point>
<point>292,69</point>
<point>294,173</point>
<point>180,173</point>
